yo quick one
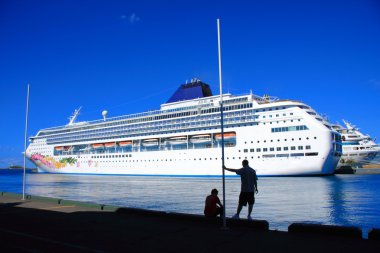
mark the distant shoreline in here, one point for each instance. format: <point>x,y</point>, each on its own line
<point>20,168</point>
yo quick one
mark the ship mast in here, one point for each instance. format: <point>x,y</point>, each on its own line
<point>73,118</point>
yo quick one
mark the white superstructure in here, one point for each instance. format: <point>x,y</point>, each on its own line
<point>278,137</point>
<point>358,148</point>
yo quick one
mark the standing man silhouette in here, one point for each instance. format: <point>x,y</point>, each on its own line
<point>248,188</point>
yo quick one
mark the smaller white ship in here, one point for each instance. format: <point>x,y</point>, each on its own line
<point>358,149</point>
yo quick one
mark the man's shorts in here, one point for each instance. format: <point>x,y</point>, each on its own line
<point>246,197</point>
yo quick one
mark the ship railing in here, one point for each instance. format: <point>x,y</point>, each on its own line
<point>152,129</point>
<point>145,114</point>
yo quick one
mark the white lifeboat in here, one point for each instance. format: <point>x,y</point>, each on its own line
<point>177,140</point>
<point>201,138</point>
<point>150,142</point>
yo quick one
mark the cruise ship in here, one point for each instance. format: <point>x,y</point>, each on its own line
<point>183,138</point>
<point>358,149</point>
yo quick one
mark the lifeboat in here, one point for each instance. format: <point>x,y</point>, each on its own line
<point>59,148</point>
<point>202,138</point>
<point>110,144</point>
<point>150,142</point>
<point>227,136</point>
<point>177,140</point>
<point>125,143</point>
<point>97,145</point>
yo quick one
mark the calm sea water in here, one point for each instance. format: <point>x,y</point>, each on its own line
<point>350,200</point>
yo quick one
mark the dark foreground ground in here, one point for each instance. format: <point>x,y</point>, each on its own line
<point>51,225</point>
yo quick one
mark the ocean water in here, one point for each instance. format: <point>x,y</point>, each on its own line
<point>349,200</point>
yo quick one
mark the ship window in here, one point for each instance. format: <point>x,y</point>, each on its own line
<point>308,147</point>
<point>292,148</point>
<point>286,148</point>
<point>278,149</point>
<point>265,149</point>
<point>271,149</point>
<point>252,150</point>
<point>258,150</point>
<point>245,150</point>
<point>300,147</point>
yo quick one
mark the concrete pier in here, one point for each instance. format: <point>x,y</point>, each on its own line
<point>40,224</point>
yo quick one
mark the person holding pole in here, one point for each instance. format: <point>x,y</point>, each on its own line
<point>248,188</point>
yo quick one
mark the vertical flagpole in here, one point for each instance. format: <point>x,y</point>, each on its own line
<point>25,137</point>
<point>221,123</point>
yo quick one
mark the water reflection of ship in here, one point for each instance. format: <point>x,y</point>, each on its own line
<point>337,197</point>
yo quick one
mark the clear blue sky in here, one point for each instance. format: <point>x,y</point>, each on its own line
<point>130,56</point>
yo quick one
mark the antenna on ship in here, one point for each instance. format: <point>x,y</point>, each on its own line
<point>104,114</point>
<point>221,123</point>
<point>73,117</point>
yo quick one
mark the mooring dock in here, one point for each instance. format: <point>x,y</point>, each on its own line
<point>40,224</point>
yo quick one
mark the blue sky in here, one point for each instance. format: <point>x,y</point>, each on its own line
<point>130,56</point>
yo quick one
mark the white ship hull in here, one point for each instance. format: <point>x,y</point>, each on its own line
<point>200,162</point>
<point>184,167</point>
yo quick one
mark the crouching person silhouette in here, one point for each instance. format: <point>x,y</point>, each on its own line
<point>213,207</point>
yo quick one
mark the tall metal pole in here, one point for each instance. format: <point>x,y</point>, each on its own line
<point>221,124</point>
<point>25,137</point>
